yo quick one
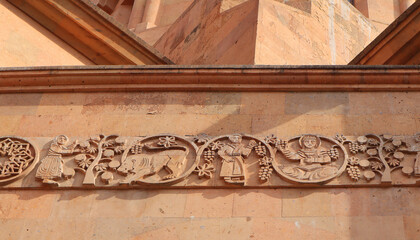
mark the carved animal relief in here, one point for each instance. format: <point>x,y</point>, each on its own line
<point>211,161</point>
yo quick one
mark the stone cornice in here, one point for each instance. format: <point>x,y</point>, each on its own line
<point>91,31</point>
<point>210,78</point>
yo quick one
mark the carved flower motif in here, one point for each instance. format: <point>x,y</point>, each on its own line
<point>119,149</point>
<point>216,145</point>
<point>389,147</point>
<point>101,167</point>
<point>376,166</point>
<point>340,138</point>
<point>373,142</point>
<point>108,143</point>
<point>205,170</point>
<point>91,149</point>
<point>393,162</point>
<point>271,139</point>
<point>362,148</point>
<point>166,141</point>
<point>84,162</point>
<point>353,161</point>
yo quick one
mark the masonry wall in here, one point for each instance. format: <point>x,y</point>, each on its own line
<point>329,213</point>
<point>23,42</point>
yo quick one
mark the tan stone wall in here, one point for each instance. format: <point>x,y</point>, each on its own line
<point>333,213</point>
<point>265,32</point>
<point>211,214</point>
<point>23,42</point>
<point>213,32</point>
<point>325,32</point>
<point>382,12</point>
<point>214,113</point>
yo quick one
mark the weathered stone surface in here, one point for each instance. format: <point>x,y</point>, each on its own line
<point>267,32</point>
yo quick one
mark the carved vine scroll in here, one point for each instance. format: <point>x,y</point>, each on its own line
<point>234,160</point>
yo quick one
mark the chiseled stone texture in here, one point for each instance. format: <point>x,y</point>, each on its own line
<point>329,213</point>
<point>211,214</point>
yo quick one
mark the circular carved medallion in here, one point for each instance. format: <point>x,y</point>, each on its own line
<point>17,158</point>
<point>310,159</point>
<point>158,159</point>
<point>232,150</point>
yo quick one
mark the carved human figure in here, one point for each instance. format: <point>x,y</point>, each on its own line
<point>314,163</point>
<point>51,167</point>
<point>233,155</point>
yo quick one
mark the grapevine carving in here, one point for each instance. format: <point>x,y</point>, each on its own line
<point>236,159</point>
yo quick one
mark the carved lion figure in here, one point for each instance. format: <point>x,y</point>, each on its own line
<point>138,166</point>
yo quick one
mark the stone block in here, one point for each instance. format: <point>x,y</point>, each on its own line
<point>257,203</point>
<point>61,104</point>
<point>73,205</point>
<point>269,103</point>
<point>317,103</point>
<point>374,227</point>
<point>384,103</point>
<point>119,204</point>
<point>22,104</point>
<point>294,228</point>
<point>165,203</point>
<point>26,204</point>
<point>306,203</point>
<point>209,204</point>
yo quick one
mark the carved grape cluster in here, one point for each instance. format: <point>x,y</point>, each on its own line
<point>354,172</point>
<point>261,150</point>
<point>266,169</point>
<point>333,153</point>
<point>355,147</point>
<point>137,148</point>
<point>209,155</point>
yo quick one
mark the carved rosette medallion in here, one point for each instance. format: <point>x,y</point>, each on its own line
<point>310,159</point>
<point>235,152</point>
<point>17,158</point>
<point>160,159</point>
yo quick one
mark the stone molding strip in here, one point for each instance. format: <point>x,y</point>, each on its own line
<point>91,31</point>
<point>209,78</point>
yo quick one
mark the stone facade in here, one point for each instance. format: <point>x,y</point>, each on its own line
<point>51,118</point>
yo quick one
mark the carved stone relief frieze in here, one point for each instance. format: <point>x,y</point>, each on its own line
<point>234,160</point>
